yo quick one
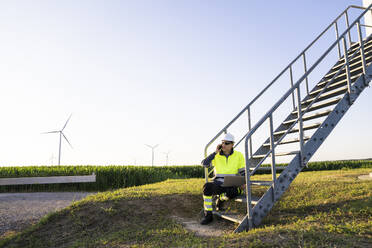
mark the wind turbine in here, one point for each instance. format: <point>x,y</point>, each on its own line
<point>134,159</point>
<point>51,159</point>
<point>60,138</point>
<point>152,148</point>
<point>167,155</point>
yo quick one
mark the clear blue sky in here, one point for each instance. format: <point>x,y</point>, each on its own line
<point>158,72</point>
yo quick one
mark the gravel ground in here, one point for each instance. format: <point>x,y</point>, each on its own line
<point>20,210</point>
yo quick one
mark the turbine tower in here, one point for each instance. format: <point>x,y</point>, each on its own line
<point>152,148</point>
<point>167,156</point>
<point>60,138</point>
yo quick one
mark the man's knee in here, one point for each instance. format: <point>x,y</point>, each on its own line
<point>232,192</point>
<point>208,189</point>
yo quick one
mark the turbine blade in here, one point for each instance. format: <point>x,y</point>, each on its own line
<point>66,140</point>
<point>148,146</point>
<point>156,146</point>
<point>66,122</point>
<point>50,132</point>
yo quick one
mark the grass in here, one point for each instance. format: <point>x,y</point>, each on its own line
<point>320,209</point>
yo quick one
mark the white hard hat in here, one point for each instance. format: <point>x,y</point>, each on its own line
<point>228,137</point>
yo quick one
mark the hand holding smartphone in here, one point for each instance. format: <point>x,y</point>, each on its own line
<point>219,147</point>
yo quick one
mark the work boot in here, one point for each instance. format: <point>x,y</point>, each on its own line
<point>208,218</point>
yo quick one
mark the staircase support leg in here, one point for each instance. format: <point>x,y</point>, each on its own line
<point>248,187</point>
<point>300,125</point>
<point>273,169</point>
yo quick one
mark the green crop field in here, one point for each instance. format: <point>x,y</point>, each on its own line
<point>320,209</point>
<point>107,177</point>
<point>115,177</point>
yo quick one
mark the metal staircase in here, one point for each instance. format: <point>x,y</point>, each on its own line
<point>327,102</point>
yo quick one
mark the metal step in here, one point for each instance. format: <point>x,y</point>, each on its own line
<point>356,60</point>
<point>355,46</point>
<point>262,183</point>
<point>289,141</point>
<point>294,130</point>
<point>356,64</point>
<point>276,154</point>
<point>325,96</point>
<point>355,71</point>
<point>243,198</point>
<point>228,216</point>
<point>321,105</point>
<point>367,48</point>
<point>336,84</point>
<point>310,117</point>
<point>268,168</point>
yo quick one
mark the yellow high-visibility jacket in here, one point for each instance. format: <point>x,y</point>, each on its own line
<point>228,166</point>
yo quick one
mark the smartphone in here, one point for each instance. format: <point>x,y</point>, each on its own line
<point>219,147</point>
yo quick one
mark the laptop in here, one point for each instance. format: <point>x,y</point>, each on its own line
<point>230,181</point>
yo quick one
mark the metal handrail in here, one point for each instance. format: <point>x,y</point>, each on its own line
<point>292,89</point>
<point>306,110</point>
<point>269,114</point>
<point>296,85</point>
<point>224,130</point>
<point>348,55</point>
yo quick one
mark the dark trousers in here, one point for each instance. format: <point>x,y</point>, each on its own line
<point>215,188</point>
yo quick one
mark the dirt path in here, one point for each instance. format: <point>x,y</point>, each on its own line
<point>214,229</point>
<point>20,210</point>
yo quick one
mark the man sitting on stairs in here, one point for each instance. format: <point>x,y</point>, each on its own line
<point>226,162</point>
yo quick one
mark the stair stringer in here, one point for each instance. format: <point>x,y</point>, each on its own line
<point>273,194</point>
